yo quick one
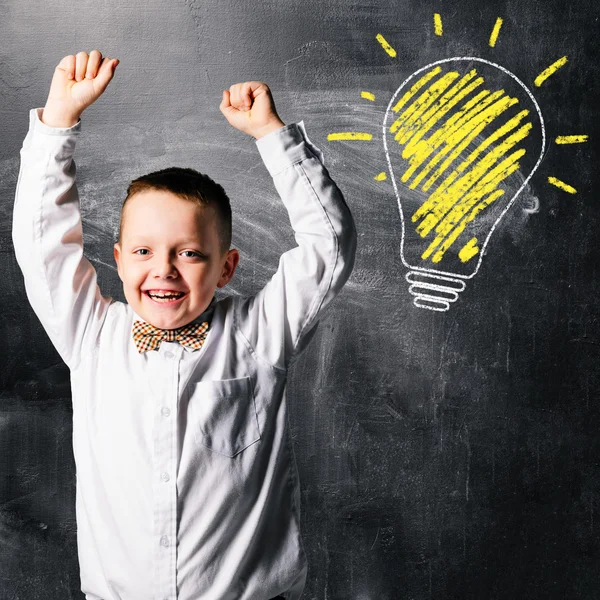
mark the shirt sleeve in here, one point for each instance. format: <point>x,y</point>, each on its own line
<point>279,321</point>
<point>47,235</point>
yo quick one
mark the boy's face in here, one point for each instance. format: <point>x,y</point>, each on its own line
<point>171,244</point>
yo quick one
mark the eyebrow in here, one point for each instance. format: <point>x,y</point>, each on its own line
<point>142,239</point>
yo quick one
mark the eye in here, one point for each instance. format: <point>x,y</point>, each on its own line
<point>194,253</point>
<point>140,249</point>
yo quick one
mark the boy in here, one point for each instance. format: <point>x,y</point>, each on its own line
<point>186,480</point>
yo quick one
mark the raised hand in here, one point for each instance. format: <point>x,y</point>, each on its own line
<point>78,81</point>
<point>249,107</point>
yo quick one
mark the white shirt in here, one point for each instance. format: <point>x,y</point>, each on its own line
<point>187,485</point>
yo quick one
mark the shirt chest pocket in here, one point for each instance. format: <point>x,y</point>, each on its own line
<point>223,415</point>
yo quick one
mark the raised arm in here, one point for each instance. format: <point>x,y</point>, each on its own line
<point>277,322</point>
<point>47,234</point>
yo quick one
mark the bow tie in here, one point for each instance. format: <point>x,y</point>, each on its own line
<point>148,337</point>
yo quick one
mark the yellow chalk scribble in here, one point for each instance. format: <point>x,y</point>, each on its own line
<point>562,185</point>
<point>437,23</point>
<point>550,71</point>
<point>469,250</point>
<point>440,118</point>
<point>571,139</point>
<point>381,176</point>
<point>368,96</point>
<point>415,88</point>
<point>495,32</point>
<point>349,135</point>
<point>385,45</point>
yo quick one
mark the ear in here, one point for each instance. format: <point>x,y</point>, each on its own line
<point>232,258</point>
<point>117,255</point>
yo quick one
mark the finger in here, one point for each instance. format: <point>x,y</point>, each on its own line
<point>81,65</point>
<point>67,64</point>
<point>225,101</point>
<point>246,95</point>
<point>105,74</point>
<point>226,109</point>
<point>234,93</point>
<point>93,64</point>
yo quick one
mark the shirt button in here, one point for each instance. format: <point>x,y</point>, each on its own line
<point>165,477</point>
<point>168,354</point>
<point>165,411</point>
<point>164,540</point>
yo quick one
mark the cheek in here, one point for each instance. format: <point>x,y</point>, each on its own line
<point>133,275</point>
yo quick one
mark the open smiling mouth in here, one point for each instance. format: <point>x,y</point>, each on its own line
<point>166,298</point>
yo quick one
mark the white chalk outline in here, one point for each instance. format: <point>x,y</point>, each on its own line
<point>434,272</point>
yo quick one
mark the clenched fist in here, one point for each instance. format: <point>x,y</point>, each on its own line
<point>249,107</point>
<point>78,81</point>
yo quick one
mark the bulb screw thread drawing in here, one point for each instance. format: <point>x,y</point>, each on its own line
<point>432,291</point>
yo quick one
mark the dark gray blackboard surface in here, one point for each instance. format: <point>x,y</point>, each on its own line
<point>442,454</point>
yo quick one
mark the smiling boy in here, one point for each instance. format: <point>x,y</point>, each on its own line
<point>187,485</point>
<point>148,258</point>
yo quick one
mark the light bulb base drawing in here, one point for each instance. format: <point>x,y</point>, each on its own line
<point>433,291</point>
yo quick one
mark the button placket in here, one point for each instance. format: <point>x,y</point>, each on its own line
<point>164,461</point>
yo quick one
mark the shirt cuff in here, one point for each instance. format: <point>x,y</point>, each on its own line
<point>36,124</point>
<point>286,146</point>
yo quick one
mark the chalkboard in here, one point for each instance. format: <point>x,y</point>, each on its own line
<point>445,430</point>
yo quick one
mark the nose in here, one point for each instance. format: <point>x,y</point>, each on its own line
<point>164,267</point>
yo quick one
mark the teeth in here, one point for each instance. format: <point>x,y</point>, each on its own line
<point>166,295</point>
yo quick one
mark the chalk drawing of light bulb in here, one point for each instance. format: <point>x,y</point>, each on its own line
<point>462,138</point>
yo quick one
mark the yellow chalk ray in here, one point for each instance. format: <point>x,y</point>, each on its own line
<point>437,24</point>
<point>385,45</point>
<point>415,88</point>
<point>550,71</point>
<point>349,135</point>
<point>562,185</point>
<point>469,250</point>
<point>368,96</point>
<point>381,176</point>
<point>495,32</point>
<point>571,139</point>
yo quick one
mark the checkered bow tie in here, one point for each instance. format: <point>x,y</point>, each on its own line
<point>148,337</point>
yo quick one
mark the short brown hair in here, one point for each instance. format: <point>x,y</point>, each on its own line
<point>187,184</point>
